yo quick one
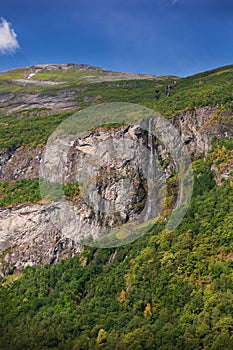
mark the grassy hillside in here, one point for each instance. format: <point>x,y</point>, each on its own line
<point>212,89</point>
<point>167,290</point>
<point>209,88</point>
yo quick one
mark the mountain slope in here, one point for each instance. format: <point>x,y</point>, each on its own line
<point>167,290</point>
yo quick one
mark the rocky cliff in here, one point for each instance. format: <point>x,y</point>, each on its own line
<point>31,235</point>
<point>197,128</point>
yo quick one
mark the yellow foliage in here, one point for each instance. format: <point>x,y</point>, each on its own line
<point>147,312</point>
<point>102,335</point>
<point>132,261</point>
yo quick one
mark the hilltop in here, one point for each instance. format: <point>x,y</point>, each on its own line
<point>55,74</point>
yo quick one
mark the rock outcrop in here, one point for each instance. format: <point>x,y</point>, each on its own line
<point>11,103</point>
<point>199,126</point>
<point>20,163</point>
<point>28,238</point>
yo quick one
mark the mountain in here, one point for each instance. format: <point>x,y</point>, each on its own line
<point>168,289</point>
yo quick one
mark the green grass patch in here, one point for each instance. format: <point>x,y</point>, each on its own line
<point>17,73</point>
<point>28,190</point>
<point>16,132</point>
<point>132,91</point>
<point>19,192</point>
<point>68,75</point>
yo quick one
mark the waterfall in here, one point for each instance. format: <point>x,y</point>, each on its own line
<point>150,144</point>
<point>150,174</point>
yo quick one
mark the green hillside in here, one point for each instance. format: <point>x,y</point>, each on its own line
<point>214,89</point>
<point>167,290</point>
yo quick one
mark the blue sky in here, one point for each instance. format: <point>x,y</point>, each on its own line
<point>179,37</point>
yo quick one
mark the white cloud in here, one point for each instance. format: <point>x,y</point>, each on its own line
<point>8,38</point>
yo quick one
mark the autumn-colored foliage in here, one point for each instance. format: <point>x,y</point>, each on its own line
<point>122,297</point>
<point>147,312</point>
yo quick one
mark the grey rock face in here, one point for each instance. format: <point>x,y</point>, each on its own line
<point>56,101</point>
<point>113,167</point>
<point>225,173</point>
<point>28,238</point>
<point>20,163</point>
<point>198,127</point>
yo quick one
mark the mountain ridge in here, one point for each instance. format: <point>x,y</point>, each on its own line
<point>52,74</point>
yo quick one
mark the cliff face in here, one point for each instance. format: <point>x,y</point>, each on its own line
<point>28,237</point>
<point>199,126</point>
<point>20,163</point>
<point>30,234</point>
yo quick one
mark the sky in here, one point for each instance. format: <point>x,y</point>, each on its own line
<point>164,37</point>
